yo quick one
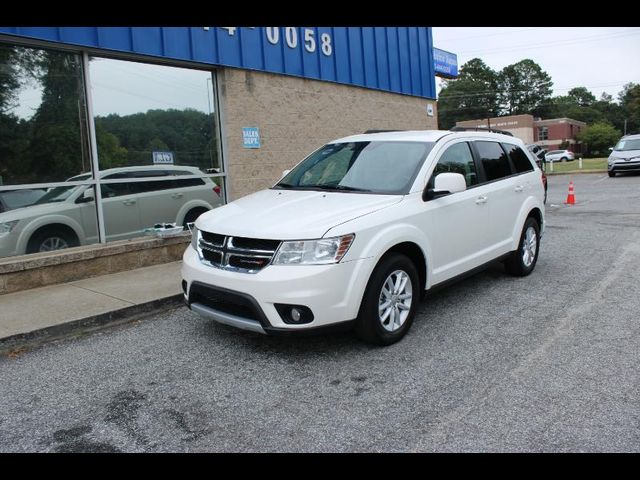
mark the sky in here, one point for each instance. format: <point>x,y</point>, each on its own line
<point>602,59</point>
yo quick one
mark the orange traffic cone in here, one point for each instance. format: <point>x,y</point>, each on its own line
<point>571,198</point>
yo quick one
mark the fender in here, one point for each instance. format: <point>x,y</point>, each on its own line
<point>38,222</point>
<point>529,204</point>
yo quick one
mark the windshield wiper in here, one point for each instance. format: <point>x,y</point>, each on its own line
<point>341,187</point>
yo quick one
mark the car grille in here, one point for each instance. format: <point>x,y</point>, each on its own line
<point>240,254</point>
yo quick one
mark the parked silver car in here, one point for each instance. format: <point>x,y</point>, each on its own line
<point>559,156</point>
<point>65,216</point>
<point>625,156</point>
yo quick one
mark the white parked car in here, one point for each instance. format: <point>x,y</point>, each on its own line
<point>625,156</point>
<point>359,230</point>
<point>559,156</point>
<point>66,216</point>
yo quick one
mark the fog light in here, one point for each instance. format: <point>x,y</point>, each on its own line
<point>294,314</point>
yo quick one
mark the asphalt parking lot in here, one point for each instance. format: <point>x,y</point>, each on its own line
<point>548,362</point>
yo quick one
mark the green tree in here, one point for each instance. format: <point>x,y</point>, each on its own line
<point>630,105</point>
<point>474,94</point>
<point>523,87</point>
<point>582,96</point>
<point>599,137</point>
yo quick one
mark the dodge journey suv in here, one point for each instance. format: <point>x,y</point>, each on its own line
<point>361,228</point>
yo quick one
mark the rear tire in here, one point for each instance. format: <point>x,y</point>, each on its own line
<point>390,301</point>
<point>192,216</point>
<point>522,261</point>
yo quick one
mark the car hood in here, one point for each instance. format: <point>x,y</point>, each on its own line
<point>35,211</point>
<point>625,154</point>
<point>291,214</point>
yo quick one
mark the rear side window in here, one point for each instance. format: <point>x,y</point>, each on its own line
<point>520,159</point>
<point>494,160</point>
<point>456,159</point>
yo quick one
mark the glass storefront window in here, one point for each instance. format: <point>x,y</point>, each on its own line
<point>153,114</point>
<point>156,134</point>
<point>43,134</point>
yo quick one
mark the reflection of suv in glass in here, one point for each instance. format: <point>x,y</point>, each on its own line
<point>559,156</point>
<point>625,156</point>
<point>66,216</point>
<point>360,229</point>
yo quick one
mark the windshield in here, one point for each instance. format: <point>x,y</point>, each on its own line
<point>58,194</point>
<point>20,198</point>
<point>625,145</point>
<point>373,167</point>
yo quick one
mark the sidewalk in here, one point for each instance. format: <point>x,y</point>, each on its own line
<point>32,316</point>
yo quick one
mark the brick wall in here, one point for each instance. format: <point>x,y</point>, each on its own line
<point>296,116</point>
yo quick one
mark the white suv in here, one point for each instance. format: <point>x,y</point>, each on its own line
<point>356,232</point>
<point>66,216</point>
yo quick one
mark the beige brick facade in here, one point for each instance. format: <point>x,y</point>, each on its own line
<point>296,116</point>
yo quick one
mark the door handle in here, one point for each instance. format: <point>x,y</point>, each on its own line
<point>129,202</point>
<point>177,195</point>
<point>519,188</point>
<point>481,199</point>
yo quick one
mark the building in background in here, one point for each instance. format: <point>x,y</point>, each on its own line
<point>112,130</point>
<point>552,134</point>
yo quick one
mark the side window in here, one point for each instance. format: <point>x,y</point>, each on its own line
<point>519,159</point>
<point>456,159</point>
<point>494,160</point>
<point>111,190</point>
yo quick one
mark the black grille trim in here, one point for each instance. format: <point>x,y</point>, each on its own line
<point>228,301</point>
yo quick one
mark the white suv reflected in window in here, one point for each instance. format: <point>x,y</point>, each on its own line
<point>65,216</point>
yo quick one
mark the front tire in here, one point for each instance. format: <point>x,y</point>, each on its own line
<point>390,301</point>
<point>612,174</point>
<point>522,262</point>
<point>51,239</point>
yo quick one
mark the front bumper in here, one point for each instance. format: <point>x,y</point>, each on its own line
<point>624,166</point>
<point>332,292</point>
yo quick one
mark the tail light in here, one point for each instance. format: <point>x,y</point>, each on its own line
<point>217,189</point>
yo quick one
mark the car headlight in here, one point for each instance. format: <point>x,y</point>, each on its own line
<point>194,237</point>
<point>313,252</point>
<point>7,227</point>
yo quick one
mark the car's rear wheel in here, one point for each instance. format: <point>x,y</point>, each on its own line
<point>390,301</point>
<point>524,259</point>
<point>192,216</point>
<point>563,159</point>
<point>51,239</point>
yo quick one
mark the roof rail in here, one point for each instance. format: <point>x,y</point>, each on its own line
<point>382,131</point>
<point>480,129</point>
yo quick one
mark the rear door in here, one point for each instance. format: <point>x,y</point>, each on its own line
<point>504,193</point>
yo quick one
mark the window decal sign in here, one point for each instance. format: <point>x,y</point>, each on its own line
<point>251,137</point>
<point>163,158</point>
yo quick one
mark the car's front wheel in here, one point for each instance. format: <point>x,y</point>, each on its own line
<point>612,174</point>
<point>50,239</point>
<point>390,301</point>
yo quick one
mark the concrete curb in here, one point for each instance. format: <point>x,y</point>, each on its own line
<point>29,340</point>
<point>575,172</point>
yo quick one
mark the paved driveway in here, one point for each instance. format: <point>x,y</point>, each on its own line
<point>549,362</point>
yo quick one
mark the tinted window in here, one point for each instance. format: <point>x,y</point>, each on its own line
<point>456,159</point>
<point>494,160</point>
<point>520,159</point>
<point>114,190</point>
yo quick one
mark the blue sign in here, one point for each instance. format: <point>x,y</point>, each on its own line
<point>445,63</point>
<point>394,59</point>
<point>251,137</point>
<point>163,158</point>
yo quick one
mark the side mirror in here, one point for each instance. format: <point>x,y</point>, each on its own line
<point>445,184</point>
<point>611,149</point>
<point>284,173</point>
<point>87,195</point>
